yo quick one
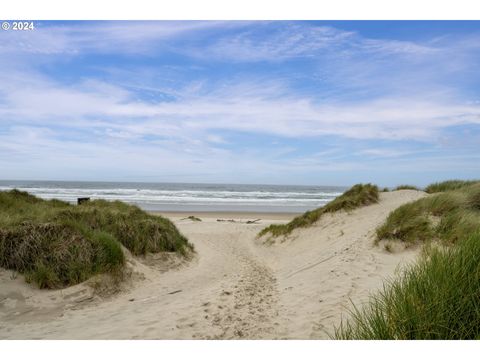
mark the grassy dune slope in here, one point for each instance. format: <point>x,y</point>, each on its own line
<point>56,244</point>
<point>356,196</point>
<point>447,216</point>
<point>449,185</point>
<point>439,298</point>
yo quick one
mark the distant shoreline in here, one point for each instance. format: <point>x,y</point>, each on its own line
<point>183,198</point>
<point>227,215</point>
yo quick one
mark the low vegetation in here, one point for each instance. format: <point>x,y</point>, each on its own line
<point>449,185</point>
<point>55,244</point>
<point>446,216</point>
<point>438,298</point>
<point>406,187</point>
<point>193,218</point>
<point>357,196</point>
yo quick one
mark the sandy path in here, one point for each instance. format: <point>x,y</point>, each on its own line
<point>226,292</point>
<point>323,269</point>
<point>236,287</point>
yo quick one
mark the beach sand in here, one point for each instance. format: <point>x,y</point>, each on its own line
<point>226,215</point>
<point>235,287</point>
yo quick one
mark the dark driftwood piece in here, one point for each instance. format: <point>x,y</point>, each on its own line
<point>174,292</point>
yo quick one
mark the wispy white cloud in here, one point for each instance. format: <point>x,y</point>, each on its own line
<point>221,40</point>
<point>278,42</point>
<point>103,37</point>
<point>255,108</point>
<point>367,92</point>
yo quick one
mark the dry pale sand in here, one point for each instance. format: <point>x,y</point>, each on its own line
<point>235,287</point>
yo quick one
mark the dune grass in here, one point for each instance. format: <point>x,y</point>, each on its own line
<point>405,187</point>
<point>438,298</point>
<point>446,216</point>
<point>449,185</point>
<point>357,196</point>
<point>56,244</point>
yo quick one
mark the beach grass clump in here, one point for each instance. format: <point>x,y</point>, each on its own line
<point>408,223</point>
<point>449,185</point>
<point>193,218</point>
<point>138,231</point>
<point>357,196</point>
<point>446,216</point>
<point>55,255</point>
<point>438,298</point>
<point>405,187</point>
<point>56,244</point>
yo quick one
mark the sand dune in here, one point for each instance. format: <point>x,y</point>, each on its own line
<point>236,286</point>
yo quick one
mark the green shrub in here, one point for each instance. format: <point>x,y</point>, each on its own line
<point>439,298</point>
<point>357,196</point>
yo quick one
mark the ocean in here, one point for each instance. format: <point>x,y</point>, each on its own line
<point>187,197</point>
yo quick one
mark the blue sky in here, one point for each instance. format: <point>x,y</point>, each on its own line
<point>323,102</point>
